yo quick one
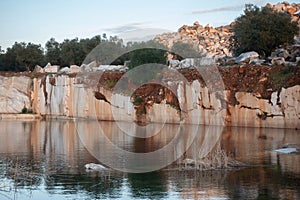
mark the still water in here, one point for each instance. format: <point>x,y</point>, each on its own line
<point>45,160</point>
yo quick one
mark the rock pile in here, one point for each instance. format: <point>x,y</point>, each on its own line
<point>292,9</point>
<point>218,42</point>
<point>92,67</point>
<point>212,42</point>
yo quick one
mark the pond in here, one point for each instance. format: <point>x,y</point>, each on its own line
<point>46,160</point>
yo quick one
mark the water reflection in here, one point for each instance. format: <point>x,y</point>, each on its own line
<point>45,160</point>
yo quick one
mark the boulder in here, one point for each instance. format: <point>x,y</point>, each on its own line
<point>247,57</point>
<point>173,63</point>
<point>74,69</point>
<point>280,53</point>
<point>38,69</point>
<point>186,63</point>
<point>64,70</point>
<point>278,61</point>
<point>91,67</point>
<point>51,68</point>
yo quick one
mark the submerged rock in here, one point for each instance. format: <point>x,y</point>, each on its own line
<point>286,150</point>
<point>95,167</point>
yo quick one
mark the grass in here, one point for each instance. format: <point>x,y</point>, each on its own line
<point>279,78</point>
<point>216,159</point>
<point>110,83</point>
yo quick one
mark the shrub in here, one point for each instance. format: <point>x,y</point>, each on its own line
<point>262,30</point>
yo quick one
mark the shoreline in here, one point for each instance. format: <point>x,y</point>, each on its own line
<point>36,117</point>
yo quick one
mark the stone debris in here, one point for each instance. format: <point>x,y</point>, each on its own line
<point>92,67</point>
<point>120,68</point>
<point>212,42</point>
<point>217,43</point>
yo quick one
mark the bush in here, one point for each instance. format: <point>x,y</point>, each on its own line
<point>26,110</point>
<point>147,52</point>
<point>262,30</point>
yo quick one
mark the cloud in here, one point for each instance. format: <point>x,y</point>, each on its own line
<point>228,8</point>
<point>126,27</point>
<point>221,9</point>
<point>143,34</point>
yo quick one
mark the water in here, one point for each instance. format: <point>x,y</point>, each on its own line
<point>45,160</point>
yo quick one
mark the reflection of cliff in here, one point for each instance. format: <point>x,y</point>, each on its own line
<point>54,156</point>
<point>254,183</point>
<point>253,146</point>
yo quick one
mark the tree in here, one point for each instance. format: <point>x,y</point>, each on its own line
<point>262,30</point>
<point>71,52</point>
<point>30,55</point>
<point>53,52</point>
<point>22,56</point>
<point>184,50</point>
<point>147,52</point>
<point>108,51</point>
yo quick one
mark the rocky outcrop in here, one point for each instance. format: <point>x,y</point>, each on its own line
<point>65,96</point>
<point>217,42</point>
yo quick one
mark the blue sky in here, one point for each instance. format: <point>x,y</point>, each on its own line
<point>37,21</point>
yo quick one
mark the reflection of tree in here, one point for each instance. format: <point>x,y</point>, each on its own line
<point>148,185</point>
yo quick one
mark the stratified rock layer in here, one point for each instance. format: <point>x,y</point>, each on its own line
<point>65,96</point>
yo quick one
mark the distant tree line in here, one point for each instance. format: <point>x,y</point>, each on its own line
<point>25,56</point>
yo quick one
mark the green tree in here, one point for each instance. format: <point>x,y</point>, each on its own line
<point>30,56</point>
<point>2,66</point>
<point>71,52</point>
<point>184,50</point>
<point>53,52</point>
<point>108,52</point>
<point>22,56</point>
<point>147,52</point>
<point>262,30</point>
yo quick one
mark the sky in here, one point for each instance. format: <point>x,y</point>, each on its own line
<point>37,21</point>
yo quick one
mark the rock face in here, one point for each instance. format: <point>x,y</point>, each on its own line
<point>14,94</point>
<point>64,96</point>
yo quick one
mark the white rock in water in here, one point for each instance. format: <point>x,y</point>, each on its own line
<point>286,150</point>
<point>96,167</point>
<point>247,57</point>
